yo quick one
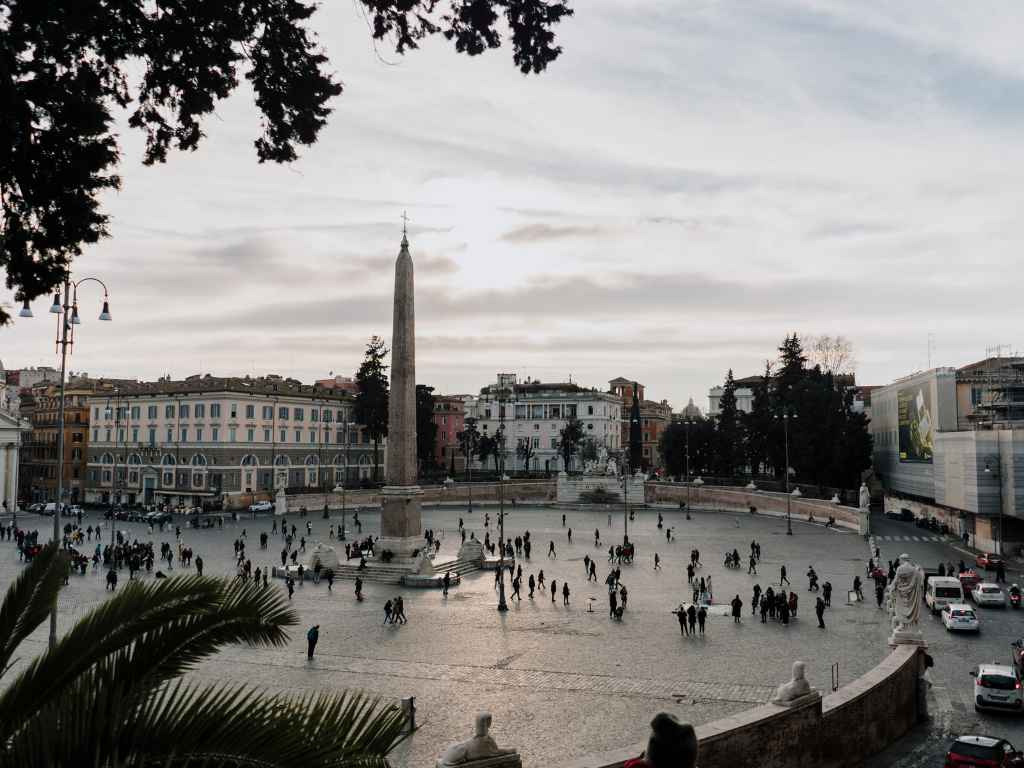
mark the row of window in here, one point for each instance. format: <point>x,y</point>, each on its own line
<point>199,460</point>
<point>198,411</point>
<point>196,479</point>
<point>252,435</point>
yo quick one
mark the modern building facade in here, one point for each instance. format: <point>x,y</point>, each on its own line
<point>972,478</point>
<point>654,419</point>
<point>534,413</point>
<point>186,442</point>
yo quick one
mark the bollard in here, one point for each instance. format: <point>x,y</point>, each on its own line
<point>409,710</point>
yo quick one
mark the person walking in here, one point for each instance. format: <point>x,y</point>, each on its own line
<point>387,612</point>
<point>737,609</point>
<point>756,600</point>
<point>764,608</point>
<point>532,584</point>
<point>879,593</point>
<point>1001,572</point>
<point>312,637</point>
<point>657,562</point>
<point>399,615</point>
<point>447,580</point>
<point>752,567</point>
<point>613,600</point>
<point>857,588</point>
<point>565,594</point>
<point>819,609</point>
<point>289,584</point>
<point>554,589</point>
<point>702,617</point>
<point>551,550</point>
<point>689,573</point>
<point>592,576</point>
<point>329,576</point>
<point>782,576</point>
<point>570,535</point>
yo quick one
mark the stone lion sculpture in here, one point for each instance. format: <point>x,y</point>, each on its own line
<point>797,690</point>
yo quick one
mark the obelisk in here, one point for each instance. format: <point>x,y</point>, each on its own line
<point>400,525</point>
<point>636,454</point>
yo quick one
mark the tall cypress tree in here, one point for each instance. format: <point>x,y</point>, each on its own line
<point>758,424</point>
<point>426,429</point>
<point>371,405</point>
<point>729,431</point>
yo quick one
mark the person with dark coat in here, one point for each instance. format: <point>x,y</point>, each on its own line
<point>737,609</point>
<point>311,639</point>
<point>819,609</point>
<point>702,616</point>
<point>671,745</point>
<point>691,618</point>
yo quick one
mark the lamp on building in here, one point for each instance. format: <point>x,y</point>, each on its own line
<point>26,310</point>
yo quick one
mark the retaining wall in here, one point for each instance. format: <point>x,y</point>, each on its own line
<point>840,730</point>
<point>484,493</point>
<point>740,500</point>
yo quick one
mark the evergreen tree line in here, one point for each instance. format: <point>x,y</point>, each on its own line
<point>829,443</point>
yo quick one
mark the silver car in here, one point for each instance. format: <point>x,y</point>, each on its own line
<point>987,593</point>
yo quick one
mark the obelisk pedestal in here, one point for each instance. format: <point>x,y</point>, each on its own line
<point>401,526</point>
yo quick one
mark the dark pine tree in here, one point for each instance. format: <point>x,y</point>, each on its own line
<point>371,405</point>
<point>729,448</point>
<point>426,429</point>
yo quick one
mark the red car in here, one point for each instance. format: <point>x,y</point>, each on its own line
<point>983,752</point>
<point>989,561</point>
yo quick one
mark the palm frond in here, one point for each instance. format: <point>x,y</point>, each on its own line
<point>149,633</point>
<point>29,599</point>
<point>182,724</point>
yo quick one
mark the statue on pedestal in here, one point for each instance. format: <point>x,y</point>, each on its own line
<point>865,497</point>
<point>797,691</point>
<point>481,750</point>
<point>905,595</point>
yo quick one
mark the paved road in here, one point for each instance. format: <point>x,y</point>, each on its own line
<point>952,703</point>
<point>561,682</point>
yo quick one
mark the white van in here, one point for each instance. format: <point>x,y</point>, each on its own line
<point>942,591</point>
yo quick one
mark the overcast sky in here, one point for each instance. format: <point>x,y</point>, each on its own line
<point>689,182</point>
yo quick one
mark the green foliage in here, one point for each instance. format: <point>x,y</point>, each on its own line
<point>672,446</point>
<point>569,440</point>
<point>487,446</point>
<point>65,67</point>
<point>729,439</point>
<point>371,404</point>
<point>525,451</point>
<point>426,429</point>
<point>589,449</point>
<point>469,441</point>
<point>110,692</point>
<point>758,425</point>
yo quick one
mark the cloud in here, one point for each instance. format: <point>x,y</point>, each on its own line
<point>533,233</point>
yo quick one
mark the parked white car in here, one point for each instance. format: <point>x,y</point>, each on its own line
<point>997,686</point>
<point>262,506</point>
<point>960,617</point>
<point>987,593</point>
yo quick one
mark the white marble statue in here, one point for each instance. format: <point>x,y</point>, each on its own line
<point>611,468</point>
<point>796,691</point>
<point>865,497</point>
<point>905,595</point>
<point>480,749</point>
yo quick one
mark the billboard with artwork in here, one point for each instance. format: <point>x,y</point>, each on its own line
<point>916,424</point>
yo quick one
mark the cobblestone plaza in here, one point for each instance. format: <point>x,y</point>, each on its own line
<point>560,682</point>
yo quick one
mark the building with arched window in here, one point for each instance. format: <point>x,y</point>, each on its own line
<point>204,437</point>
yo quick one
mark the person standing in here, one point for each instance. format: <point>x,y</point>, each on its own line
<point>879,593</point>
<point>737,609</point>
<point>702,617</point>
<point>570,535</point>
<point>290,585</point>
<point>756,600</point>
<point>681,615</point>
<point>657,562</point>
<point>554,589</point>
<point>532,584</point>
<point>446,582</point>
<point>752,567</point>
<point>819,609</point>
<point>565,593</point>
<point>782,576</point>
<point>312,637</point>
<point>329,575</point>
<point>689,573</point>
<point>826,592</point>
<point>691,618</point>
<point>1001,572</point>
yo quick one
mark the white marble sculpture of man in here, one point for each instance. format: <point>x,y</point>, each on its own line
<point>481,747</point>
<point>865,496</point>
<point>906,590</point>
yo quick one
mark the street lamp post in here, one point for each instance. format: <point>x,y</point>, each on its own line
<point>67,310</point>
<point>502,605</point>
<point>625,501</point>
<point>789,498</point>
<point>998,475</point>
